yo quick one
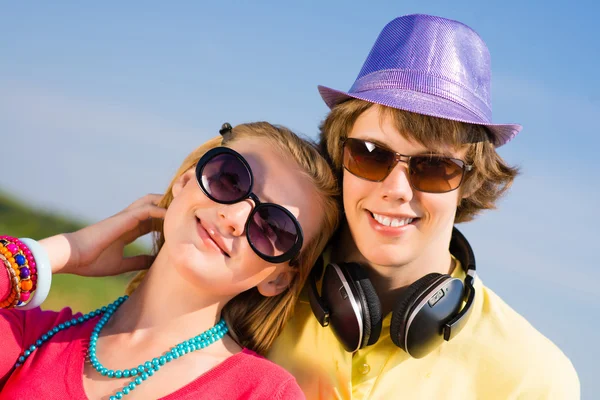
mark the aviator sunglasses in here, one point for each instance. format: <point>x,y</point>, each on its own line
<point>273,232</point>
<point>426,173</point>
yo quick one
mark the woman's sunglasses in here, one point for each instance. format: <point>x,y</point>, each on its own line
<point>426,173</point>
<point>272,231</point>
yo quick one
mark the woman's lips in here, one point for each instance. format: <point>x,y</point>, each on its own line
<point>207,239</point>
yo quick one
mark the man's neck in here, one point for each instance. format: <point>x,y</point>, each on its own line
<point>390,280</point>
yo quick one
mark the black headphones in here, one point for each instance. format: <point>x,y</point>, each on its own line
<point>426,312</point>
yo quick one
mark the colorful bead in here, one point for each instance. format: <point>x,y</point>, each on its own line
<point>26,285</point>
<point>20,259</point>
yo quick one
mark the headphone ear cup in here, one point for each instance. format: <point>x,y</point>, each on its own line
<point>370,303</point>
<point>404,303</point>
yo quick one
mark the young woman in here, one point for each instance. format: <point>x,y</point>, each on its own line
<point>244,220</point>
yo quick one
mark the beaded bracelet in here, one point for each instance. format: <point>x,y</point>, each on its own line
<point>30,261</point>
<point>23,261</point>
<point>41,261</point>
<point>15,290</point>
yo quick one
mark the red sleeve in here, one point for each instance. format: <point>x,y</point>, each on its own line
<point>19,329</point>
<point>290,390</point>
<point>11,341</point>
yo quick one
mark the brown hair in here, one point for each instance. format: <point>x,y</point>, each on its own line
<point>490,178</point>
<point>254,320</point>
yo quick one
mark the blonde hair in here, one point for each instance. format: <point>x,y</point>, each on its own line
<point>490,178</point>
<point>254,320</point>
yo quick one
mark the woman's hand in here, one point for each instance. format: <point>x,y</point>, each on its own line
<point>97,250</point>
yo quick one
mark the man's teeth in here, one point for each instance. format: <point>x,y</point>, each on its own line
<point>393,222</point>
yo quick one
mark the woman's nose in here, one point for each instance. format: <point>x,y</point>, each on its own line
<point>233,217</point>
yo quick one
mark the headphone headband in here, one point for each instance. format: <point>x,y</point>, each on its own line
<point>461,249</point>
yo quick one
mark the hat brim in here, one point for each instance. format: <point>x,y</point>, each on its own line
<point>422,103</point>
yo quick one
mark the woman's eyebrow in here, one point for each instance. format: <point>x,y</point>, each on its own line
<point>259,191</point>
<point>264,198</point>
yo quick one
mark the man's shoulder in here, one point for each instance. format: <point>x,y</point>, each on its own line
<point>510,345</point>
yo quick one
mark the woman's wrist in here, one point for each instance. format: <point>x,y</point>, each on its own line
<point>58,249</point>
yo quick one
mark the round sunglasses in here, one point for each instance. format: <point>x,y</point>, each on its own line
<point>273,232</point>
<point>426,173</point>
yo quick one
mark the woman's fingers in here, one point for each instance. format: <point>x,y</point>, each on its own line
<point>127,223</point>
<point>143,228</point>
<point>151,198</point>
<point>136,263</point>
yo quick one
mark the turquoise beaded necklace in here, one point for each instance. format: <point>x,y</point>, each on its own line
<point>140,373</point>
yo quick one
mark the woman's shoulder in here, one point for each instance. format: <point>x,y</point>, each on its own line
<point>259,366</point>
<point>248,372</point>
<point>279,382</point>
<point>32,323</point>
<point>262,364</point>
<point>39,316</point>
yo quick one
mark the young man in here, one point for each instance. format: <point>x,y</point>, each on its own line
<point>415,148</point>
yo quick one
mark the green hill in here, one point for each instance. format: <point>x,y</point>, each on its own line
<point>82,294</point>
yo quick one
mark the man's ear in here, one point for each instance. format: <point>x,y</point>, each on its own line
<point>277,282</point>
<point>180,182</point>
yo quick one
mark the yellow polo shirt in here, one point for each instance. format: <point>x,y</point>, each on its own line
<point>498,355</point>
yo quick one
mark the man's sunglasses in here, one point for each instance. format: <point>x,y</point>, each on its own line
<point>272,231</point>
<point>426,173</point>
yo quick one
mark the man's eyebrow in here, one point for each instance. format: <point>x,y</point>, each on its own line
<point>378,143</point>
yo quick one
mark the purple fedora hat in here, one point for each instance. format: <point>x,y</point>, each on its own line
<point>428,65</point>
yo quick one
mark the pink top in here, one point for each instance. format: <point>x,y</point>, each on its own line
<point>56,368</point>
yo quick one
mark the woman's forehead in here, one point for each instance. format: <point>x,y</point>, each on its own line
<point>278,179</point>
<point>276,175</point>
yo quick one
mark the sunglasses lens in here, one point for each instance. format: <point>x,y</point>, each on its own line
<point>271,231</point>
<point>366,160</point>
<point>225,178</point>
<point>435,174</point>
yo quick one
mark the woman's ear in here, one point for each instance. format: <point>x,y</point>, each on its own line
<point>277,282</point>
<point>180,182</point>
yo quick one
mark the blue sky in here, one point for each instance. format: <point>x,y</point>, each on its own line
<point>100,102</point>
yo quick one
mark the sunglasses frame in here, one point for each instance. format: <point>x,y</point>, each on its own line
<point>258,205</point>
<point>406,159</point>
